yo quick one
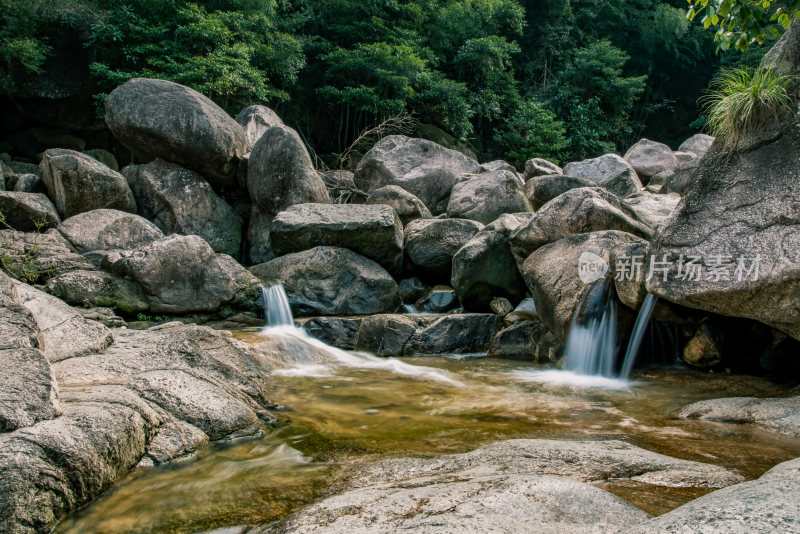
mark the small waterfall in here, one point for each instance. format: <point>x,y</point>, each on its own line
<point>276,306</point>
<point>638,334</point>
<point>591,347</point>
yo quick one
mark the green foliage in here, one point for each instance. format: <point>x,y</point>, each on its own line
<point>595,98</point>
<point>237,58</point>
<point>742,23</point>
<point>532,131</point>
<point>740,102</point>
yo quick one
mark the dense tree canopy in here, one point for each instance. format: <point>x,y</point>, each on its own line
<point>562,79</point>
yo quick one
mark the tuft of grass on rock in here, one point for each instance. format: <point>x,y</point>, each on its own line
<point>741,101</point>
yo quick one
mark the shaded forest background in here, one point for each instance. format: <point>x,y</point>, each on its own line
<point>561,79</point>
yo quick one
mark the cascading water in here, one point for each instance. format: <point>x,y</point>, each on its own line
<point>303,355</point>
<point>638,334</point>
<point>591,347</point>
<point>276,306</point>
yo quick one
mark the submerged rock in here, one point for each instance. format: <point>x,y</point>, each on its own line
<point>776,415</point>
<point>331,281</point>
<point>423,168</point>
<point>161,119</point>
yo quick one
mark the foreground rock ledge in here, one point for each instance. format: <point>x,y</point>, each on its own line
<point>511,486</point>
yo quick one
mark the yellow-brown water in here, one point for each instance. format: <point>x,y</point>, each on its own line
<point>349,414</point>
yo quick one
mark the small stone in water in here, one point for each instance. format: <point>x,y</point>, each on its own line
<point>405,417</point>
<point>373,411</point>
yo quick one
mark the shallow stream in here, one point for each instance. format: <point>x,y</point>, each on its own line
<point>341,414</point>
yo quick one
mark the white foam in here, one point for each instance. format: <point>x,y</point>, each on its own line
<point>570,379</point>
<point>356,359</point>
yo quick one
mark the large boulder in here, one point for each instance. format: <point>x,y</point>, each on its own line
<point>421,167</point>
<point>331,281</point>
<point>430,245</point>
<point>652,209</point>
<point>553,277</point>
<point>280,173</point>
<point>578,211</point>
<point>98,288</point>
<point>487,196</point>
<point>180,201</point>
<point>28,212</point>
<point>682,178</point>
<point>541,167</point>
<point>407,206</point>
<point>484,268</point>
<point>65,333</point>
<point>76,183</point>
<point>542,189</point>
<point>609,171</point>
<point>161,119</point>
<point>106,229</point>
<point>181,274</point>
<point>698,144</point>
<point>739,226</point>
<point>255,120</point>
<point>649,158</point>
<point>373,231</point>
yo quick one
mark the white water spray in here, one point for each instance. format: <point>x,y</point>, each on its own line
<point>591,347</point>
<point>276,306</point>
<point>638,334</point>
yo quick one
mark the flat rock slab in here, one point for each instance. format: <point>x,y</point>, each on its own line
<point>777,415</point>
<point>465,503</point>
<point>511,486</point>
<point>586,461</point>
<point>374,231</point>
